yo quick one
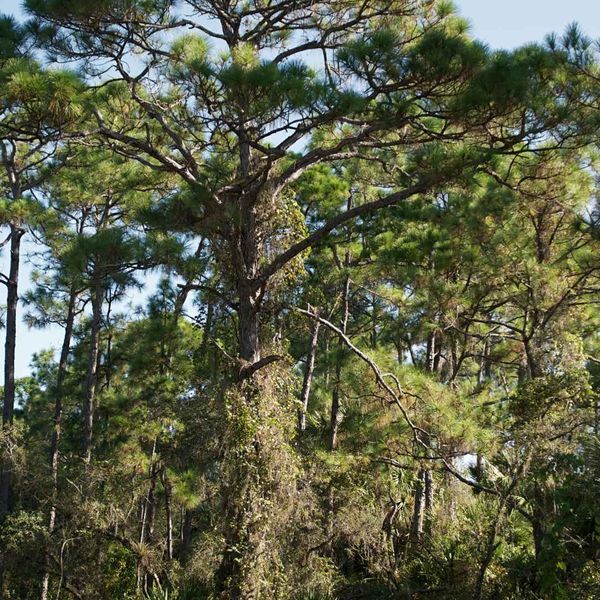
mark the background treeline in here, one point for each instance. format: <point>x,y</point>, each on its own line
<point>367,363</point>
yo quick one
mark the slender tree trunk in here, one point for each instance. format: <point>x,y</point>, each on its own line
<point>150,515</point>
<point>308,375</point>
<point>168,513</point>
<point>416,529</point>
<point>56,432</point>
<point>450,483</point>
<point>429,495</point>
<point>181,522</point>
<point>538,531</point>
<point>437,353</point>
<point>484,364</point>
<point>145,516</point>
<point>327,378</point>
<point>92,371</point>
<point>490,549</point>
<point>424,491</point>
<point>186,536</point>
<point>207,331</point>
<point>431,353</point>
<point>334,422</point>
<point>12,299</point>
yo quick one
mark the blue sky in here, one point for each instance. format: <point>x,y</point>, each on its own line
<point>510,23</point>
<point>501,24</point>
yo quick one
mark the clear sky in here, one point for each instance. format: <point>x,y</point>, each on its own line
<point>500,23</point>
<point>510,23</point>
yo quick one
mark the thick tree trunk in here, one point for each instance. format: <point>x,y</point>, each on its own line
<point>248,326</point>
<point>236,578</point>
<point>308,375</point>
<point>12,299</point>
<point>92,371</point>
<point>247,252</point>
<point>56,432</point>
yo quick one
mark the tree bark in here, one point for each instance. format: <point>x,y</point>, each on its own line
<point>334,422</point>
<point>12,299</point>
<point>490,549</point>
<point>92,371</point>
<point>56,432</point>
<point>168,513</point>
<point>308,375</point>
<point>186,535</point>
<point>416,529</point>
<point>429,495</point>
<point>150,516</point>
<point>430,353</point>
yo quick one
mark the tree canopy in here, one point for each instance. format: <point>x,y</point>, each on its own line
<point>365,363</point>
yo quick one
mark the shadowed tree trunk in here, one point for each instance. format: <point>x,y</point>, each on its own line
<point>186,535</point>
<point>92,371</point>
<point>56,431</point>
<point>416,528</point>
<point>168,513</point>
<point>235,578</point>
<point>150,516</point>
<point>12,299</point>
<point>490,548</point>
<point>429,494</point>
<point>334,422</point>
<point>308,375</point>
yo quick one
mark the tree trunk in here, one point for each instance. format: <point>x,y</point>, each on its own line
<point>186,535</point>
<point>12,299</point>
<point>236,577</point>
<point>335,397</point>
<point>246,252</point>
<point>308,375</point>
<point>429,495</point>
<point>168,513</point>
<point>248,324</point>
<point>92,371</point>
<point>430,353</point>
<point>416,529</point>
<point>150,516</point>
<point>484,372</point>
<point>55,441</point>
<point>490,549</point>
